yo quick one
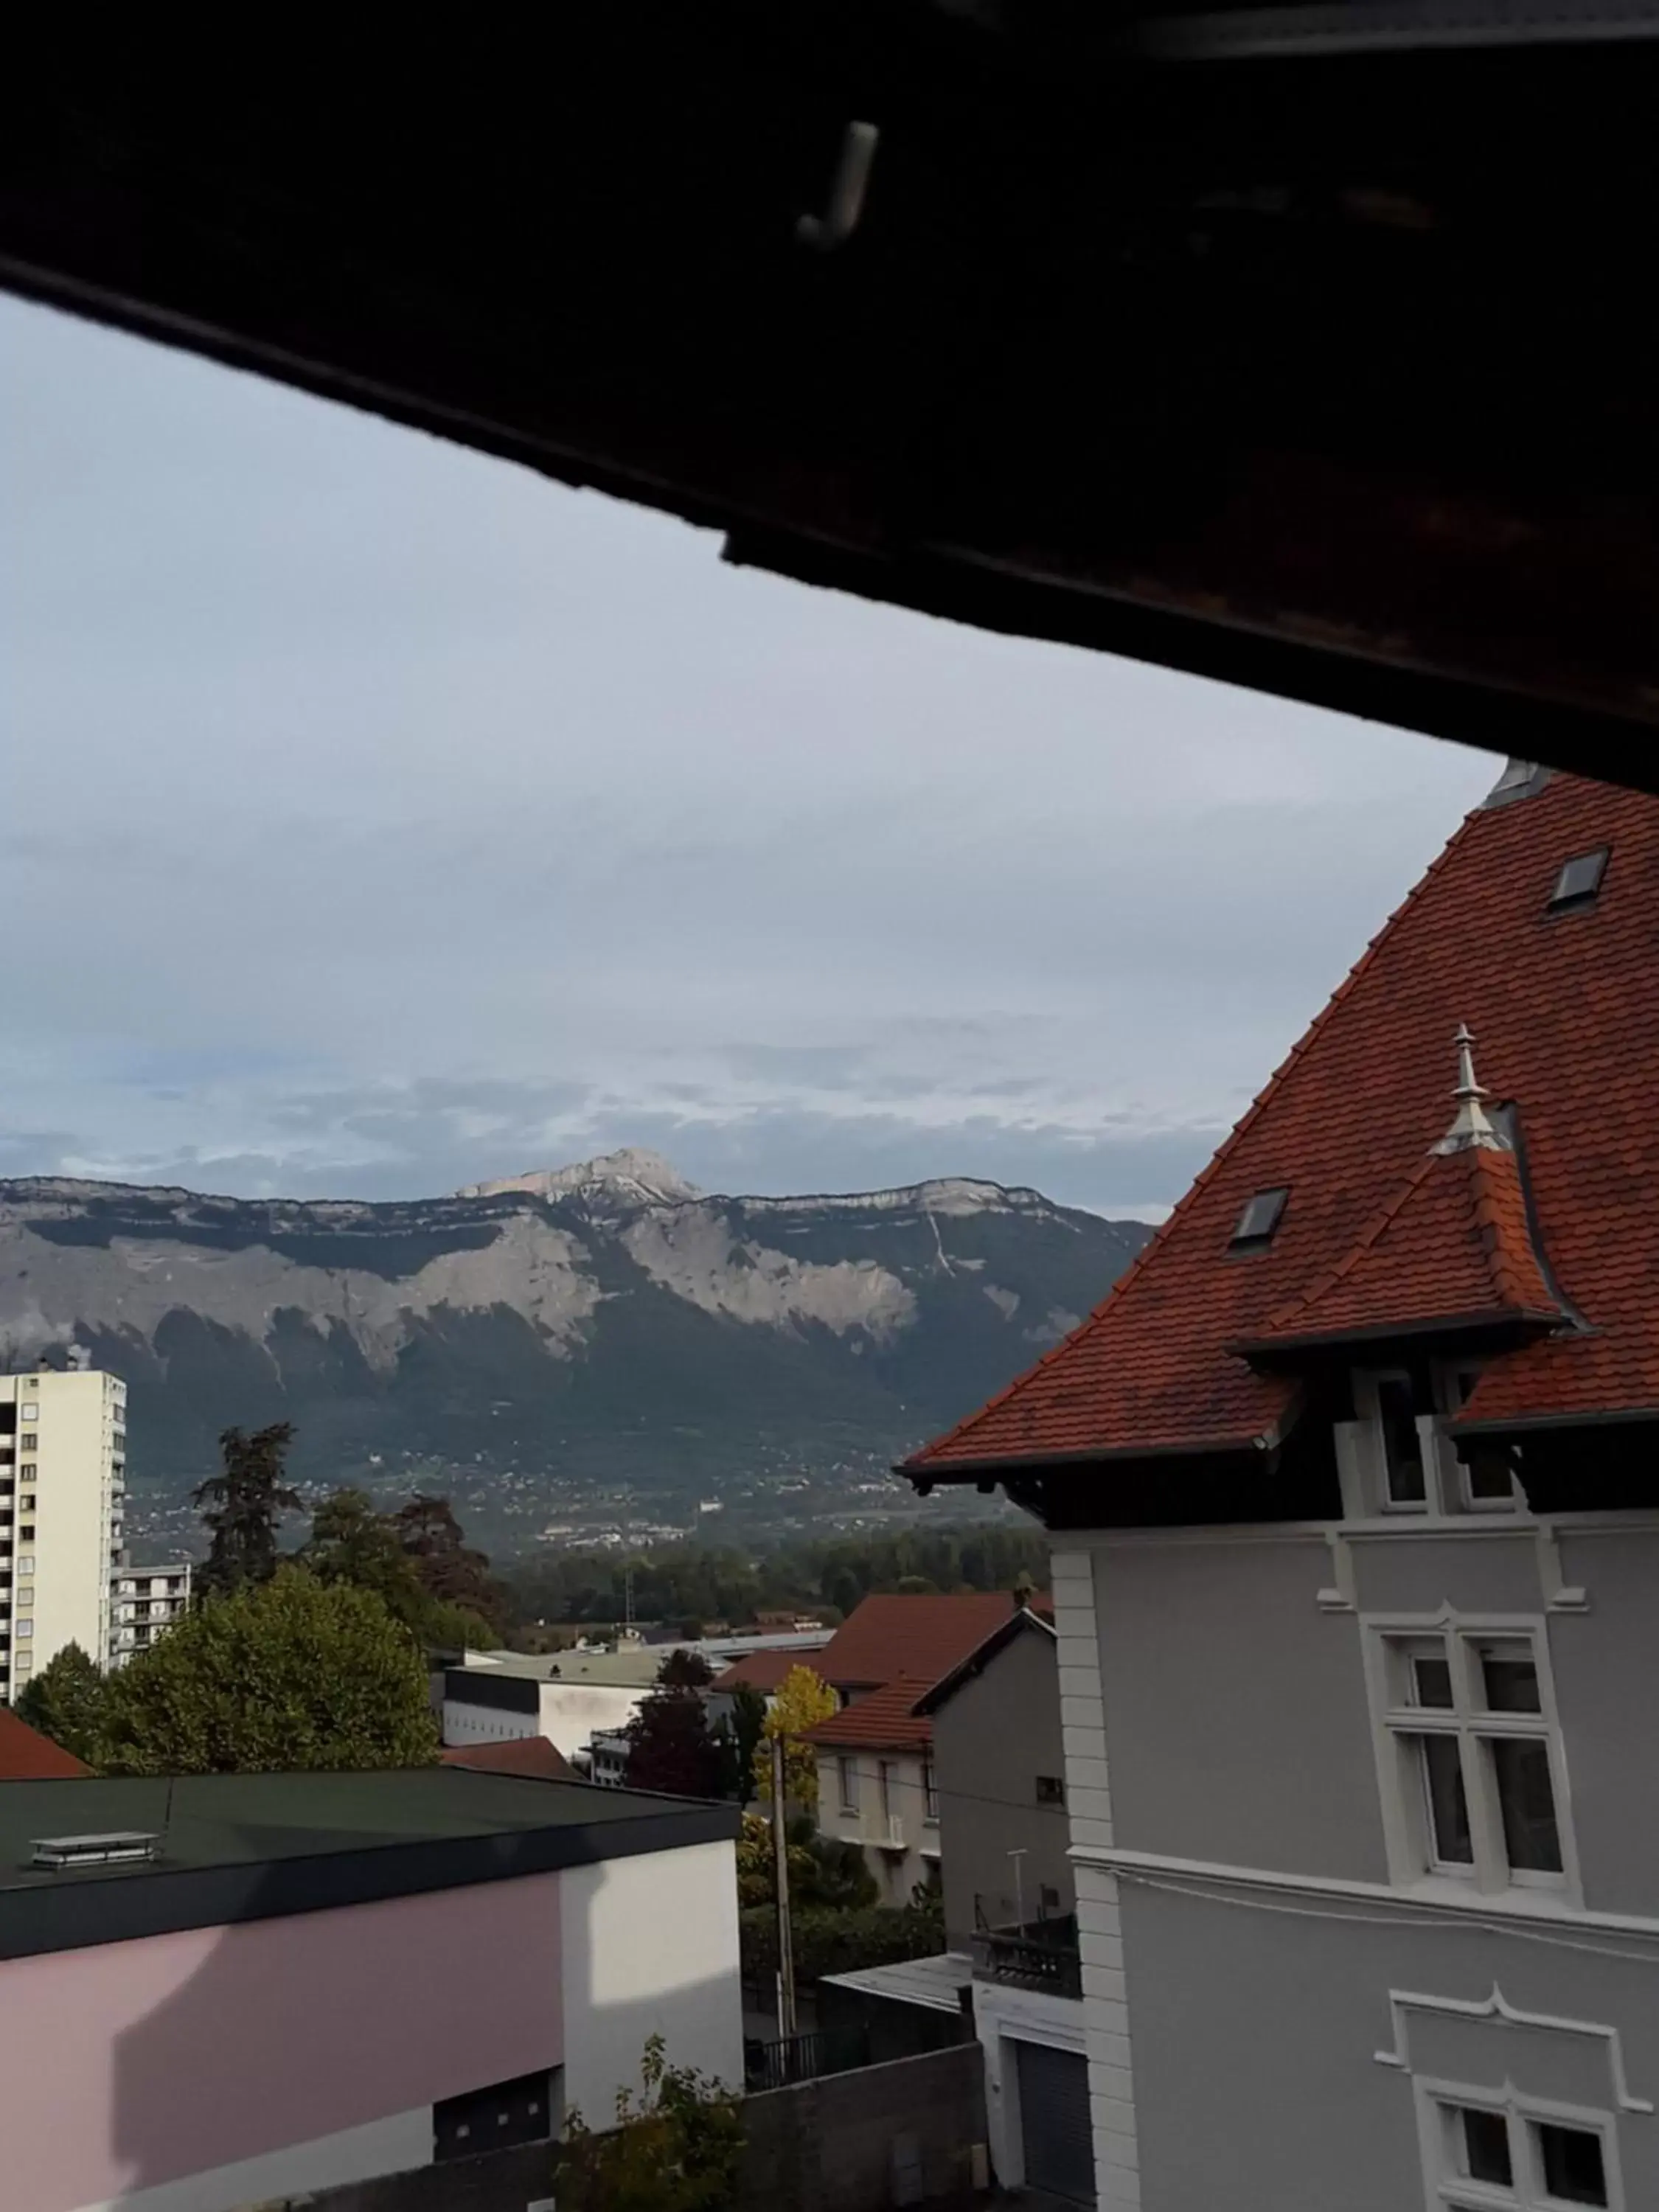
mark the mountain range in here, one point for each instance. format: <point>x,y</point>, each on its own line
<point>605,1322</point>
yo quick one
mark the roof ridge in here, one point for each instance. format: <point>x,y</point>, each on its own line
<point>1156,1243</point>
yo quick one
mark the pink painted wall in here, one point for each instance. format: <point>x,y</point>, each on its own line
<point>128,2064</point>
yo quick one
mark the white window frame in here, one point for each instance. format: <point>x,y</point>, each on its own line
<point>1368,1411</point>
<point>1449,1401</point>
<point>846,1781</point>
<point>1446,1484</point>
<point>1407,1821</point>
<point>1439,2103</point>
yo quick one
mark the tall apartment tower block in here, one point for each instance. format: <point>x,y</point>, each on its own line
<point>62,1483</point>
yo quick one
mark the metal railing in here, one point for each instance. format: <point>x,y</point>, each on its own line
<point>795,2058</point>
<point>1042,1955</point>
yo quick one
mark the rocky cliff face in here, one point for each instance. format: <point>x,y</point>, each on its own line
<point>605,1316</point>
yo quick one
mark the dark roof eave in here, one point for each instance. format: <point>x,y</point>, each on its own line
<point>1270,1347</point>
<point>919,1470</point>
<point>1516,1424</point>
<point>840,1743</point>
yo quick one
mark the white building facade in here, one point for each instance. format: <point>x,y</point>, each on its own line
<point>148,1600</point>
<point>1353,1482</point>
<point>63,1482</point>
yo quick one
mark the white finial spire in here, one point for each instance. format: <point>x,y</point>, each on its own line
<point>1471,1130</point>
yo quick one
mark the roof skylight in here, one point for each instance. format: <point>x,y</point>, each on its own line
<point>1580,879</point>
<point>1257,1222</point>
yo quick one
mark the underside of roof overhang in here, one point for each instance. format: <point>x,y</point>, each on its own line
<point>1309,349</point>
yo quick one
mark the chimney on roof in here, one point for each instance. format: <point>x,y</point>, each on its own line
<point>1471,1130</point>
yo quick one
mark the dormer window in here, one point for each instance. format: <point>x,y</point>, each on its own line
<point>1406,1484</point>
<point>1579,881</point>
<point>1397,1456</point>
<point>1257,1222</point>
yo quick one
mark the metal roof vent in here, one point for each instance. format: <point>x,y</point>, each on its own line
<point>119,1847</point>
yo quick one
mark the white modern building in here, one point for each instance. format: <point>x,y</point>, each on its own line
<point>63,1479</point>
<point>608,1758</point>
<point>568,1696</point>
<point>292,1985</point>
<point>149,1600</point>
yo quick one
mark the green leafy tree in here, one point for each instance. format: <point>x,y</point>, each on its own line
<point>351,1542</point>
<point>449,1569</point>
<point>803,1699</point>
<point>288,1674</point>
<point>696,1583</point>
<point>685,1670</point>
<point>241,1506</point>
<point>836,1874</point>
<point>671,1747</point>
<point>824,1873</point>
<point>65,1701</point>
<point>758,1873</point>
<point>837,1941</point>
<point>676,2147</point>
<point>748,1720</point>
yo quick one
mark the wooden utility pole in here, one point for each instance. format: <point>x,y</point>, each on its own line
<point>781,1864</point>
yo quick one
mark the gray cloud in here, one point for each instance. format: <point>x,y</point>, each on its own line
<point>429,821</point>
<point>416,1151</point>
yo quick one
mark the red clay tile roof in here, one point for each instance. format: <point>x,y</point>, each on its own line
<point>1449,1243</point>
<point>884,1720</point>
<point>888,1638</point>
<point>25,1755</point>
<point>1562,1007</point>
<point>764,1670</point>
<point>530,1755</point>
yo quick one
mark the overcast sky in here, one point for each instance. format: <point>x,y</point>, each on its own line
<point>381,818</point>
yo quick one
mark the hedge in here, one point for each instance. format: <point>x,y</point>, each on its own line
<point>831,1942</point>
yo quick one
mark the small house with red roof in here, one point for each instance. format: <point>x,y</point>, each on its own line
<point>1353,1478</point>
<point>876,1781</point>
<point>876,1785</point>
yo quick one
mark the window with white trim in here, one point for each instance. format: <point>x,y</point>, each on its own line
<point>1471,1756</point>
<point>1486,1479</point>
<point>847,1773</point>
<point>1408,1459</point>
<point>1485,2156</point>
<point>1403,1476</point>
